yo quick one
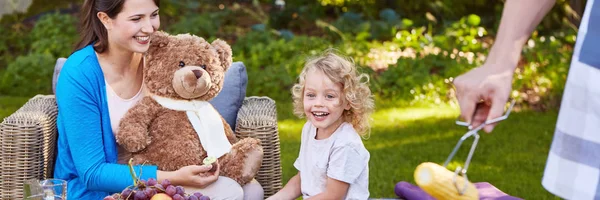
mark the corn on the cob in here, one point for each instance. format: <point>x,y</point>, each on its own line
<point>437,182</point>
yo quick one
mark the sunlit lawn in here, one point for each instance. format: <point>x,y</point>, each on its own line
<point>512,158</point>
<point>9,105</point>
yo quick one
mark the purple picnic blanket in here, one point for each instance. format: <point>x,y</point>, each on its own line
<point>486,190</point>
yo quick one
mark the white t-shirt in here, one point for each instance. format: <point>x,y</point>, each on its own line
<point>342,156</point>
<point>117,107</point>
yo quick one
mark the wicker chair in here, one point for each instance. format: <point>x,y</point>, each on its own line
<point>28,140</point>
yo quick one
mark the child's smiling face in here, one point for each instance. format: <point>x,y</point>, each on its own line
<point>324,102</point>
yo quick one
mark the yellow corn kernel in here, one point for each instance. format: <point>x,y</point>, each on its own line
<point>437,182</point>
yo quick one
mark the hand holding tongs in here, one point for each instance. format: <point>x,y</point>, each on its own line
<point>472,132</point>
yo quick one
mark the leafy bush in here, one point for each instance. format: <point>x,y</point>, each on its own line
<point>31,73</point>
<point>28,75</point>
<point>464,34</point>
<point>540,80</point>
<point>416,65</point>
<point>54,34</point>
<point>439,12</point>
<point>409,57</point>
<point>14,42</point>
<point>205,25</point>
<point>273,63</point>
<point>426,75</point>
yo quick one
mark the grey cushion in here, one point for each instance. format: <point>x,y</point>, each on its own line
<point>228,102</point>
<point>57,67</point>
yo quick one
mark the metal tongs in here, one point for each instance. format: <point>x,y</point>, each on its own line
<point>471,133</point>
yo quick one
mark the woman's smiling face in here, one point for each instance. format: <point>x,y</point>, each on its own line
<point>132,28</point>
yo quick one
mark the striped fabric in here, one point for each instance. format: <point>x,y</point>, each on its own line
<point>573,165</point>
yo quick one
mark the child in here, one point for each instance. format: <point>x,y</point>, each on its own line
<point>333,162</point>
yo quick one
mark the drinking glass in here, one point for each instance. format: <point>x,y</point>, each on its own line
<point>48,189</point>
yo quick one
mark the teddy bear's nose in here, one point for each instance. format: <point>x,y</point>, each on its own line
<point>198,73</point>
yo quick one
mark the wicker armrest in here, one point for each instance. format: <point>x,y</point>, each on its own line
<point>258,119</point>
<point>27,145</point>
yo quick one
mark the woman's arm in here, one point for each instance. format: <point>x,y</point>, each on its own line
<point>291,190</point>
<point>80,123</point>
<point>334,189</point>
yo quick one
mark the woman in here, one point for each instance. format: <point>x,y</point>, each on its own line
<point>99,82</point>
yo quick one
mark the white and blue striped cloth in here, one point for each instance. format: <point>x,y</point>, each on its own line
<point>573,165</point>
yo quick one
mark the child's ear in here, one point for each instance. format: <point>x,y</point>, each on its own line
<point>347,105</point>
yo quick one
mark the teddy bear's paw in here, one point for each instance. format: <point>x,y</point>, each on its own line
<point>243,162</point>
<point>252,162</point>
<point>251,154</point>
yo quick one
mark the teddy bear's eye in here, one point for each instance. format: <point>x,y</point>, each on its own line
<point>203,67</point>
<point>181,64</point>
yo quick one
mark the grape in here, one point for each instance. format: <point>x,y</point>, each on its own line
<point>139,195</point>
<point>180,190</point>
<point>152,182</point>
<point>165,183</point>
<point>178,197</point>
<point>171,190</point>
<point>125,193</point>
<point>204,198</point>
<point>159,188</point>
<point>198,194</point>
<point>150,192</point>
<point>193,197</point>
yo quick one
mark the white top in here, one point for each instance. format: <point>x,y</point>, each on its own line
<point>117,107</point>
<point>342,156</point>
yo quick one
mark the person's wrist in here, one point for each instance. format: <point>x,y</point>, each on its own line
<point>504,56</point>
<point>175,178</point>
<point>169,175</point>
<point>500,66</point>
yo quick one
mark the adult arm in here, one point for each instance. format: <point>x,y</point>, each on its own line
<point>492,81</point>
<point>81,120</point>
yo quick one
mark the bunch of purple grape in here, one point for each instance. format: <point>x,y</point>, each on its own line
<point>152,190</point>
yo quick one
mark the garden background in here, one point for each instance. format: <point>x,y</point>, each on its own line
<point>412,50</point>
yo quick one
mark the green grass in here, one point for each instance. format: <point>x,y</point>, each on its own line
<point>9,105</point>
<point>512,158</point>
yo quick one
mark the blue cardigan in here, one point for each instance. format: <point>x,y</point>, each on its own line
<point>86,147</point>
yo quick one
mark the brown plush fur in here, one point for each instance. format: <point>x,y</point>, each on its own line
<point>166,138</point>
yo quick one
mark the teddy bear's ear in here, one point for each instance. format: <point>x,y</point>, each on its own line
<point>159,39</point>
<point>224,51</point>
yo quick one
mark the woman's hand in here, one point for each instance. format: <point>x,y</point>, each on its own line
<point>191,175</point>
<point>482,93</point>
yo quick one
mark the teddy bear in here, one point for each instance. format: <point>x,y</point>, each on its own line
<point>174,125</point>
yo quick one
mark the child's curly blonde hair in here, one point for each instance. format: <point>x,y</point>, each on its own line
<point>355,88</point>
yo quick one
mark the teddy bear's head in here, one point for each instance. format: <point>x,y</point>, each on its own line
<point>186,66</point>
